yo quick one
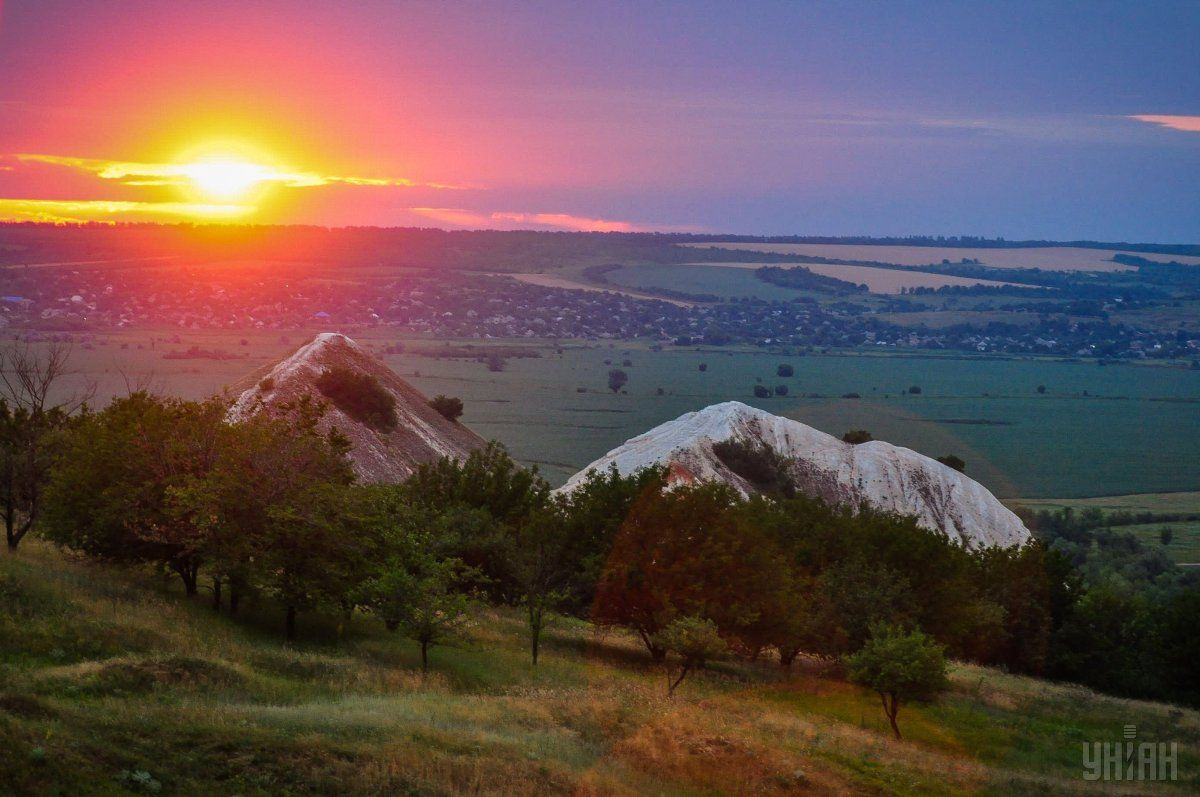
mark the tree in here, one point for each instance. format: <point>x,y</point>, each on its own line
<point>1165,535</point>
<point>539,551</point>
<point>278,513</point>
<point>694,641</point>
<point>781,390</point>
<point>111,493</point>
<point>900,667</point>
<point>1041,389</point>
<point>448,407</point>
<point>689,551</point>
<point>857,436</point>
<point>617,379</point>
<point>915,390</point>
<point>477,502</point>
<point>703,367</point>
<point>762,392</point>
<point>31,429</point>
<point>436,611</point>
<point>951,461</point>
<point>785,371</point>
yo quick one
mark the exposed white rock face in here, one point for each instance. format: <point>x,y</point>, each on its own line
<point>422,435</point>
<point>880,474</point>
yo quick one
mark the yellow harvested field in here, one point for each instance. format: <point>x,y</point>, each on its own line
<point>1051,258</point>
<point>877,280</point>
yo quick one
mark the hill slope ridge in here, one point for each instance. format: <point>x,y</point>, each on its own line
<point>880,474</point>
<point>421,435</point>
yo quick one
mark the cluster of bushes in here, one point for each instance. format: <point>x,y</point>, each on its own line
<point>360,396</point>
<point>1128,629</point>
<point>269,508</point>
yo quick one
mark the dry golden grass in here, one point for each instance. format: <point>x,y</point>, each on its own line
<point>109,671</point>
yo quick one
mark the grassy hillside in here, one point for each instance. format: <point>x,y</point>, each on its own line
<point>110,683</point>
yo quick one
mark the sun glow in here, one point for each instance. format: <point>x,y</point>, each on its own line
<point>225,179</point>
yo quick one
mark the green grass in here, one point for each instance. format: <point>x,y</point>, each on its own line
<point>106,674</point>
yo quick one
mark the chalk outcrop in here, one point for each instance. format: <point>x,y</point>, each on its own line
<point>876,473</point>
<point>421,434</point>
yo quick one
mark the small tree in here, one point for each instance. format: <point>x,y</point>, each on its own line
<point>538,553</point>
<point>856,436</point>
<point>1041,388</point>
<point>762,391</point>
<point>617,379</point>
<point>31,429</point>
<point>448,407</point>
<point>692,640</point>
<point>915,390</point>
<point>952,461</point>
<point>1165,535</point>
<point>785,371</point>
<point>437,611</point>
<point>703,367</point>
<point>900,667</point>
<point>781,390</point>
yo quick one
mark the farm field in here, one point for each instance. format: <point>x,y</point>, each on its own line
<point>112,684</point>
<point>1085,436</point>
<point>730,281</point>
<point>1052,258</point>
<point>877,280</point>
<point>1158,503</point>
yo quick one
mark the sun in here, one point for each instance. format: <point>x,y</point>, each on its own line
<point>225,178</point>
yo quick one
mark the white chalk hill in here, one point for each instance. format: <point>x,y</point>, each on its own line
<point>879,474</point>
<point>421,434</point>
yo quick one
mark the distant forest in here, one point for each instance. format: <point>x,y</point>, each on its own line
<point>27,242</point>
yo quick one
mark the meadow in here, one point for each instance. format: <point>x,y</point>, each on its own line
<point>111,683</point>
<point>1095,431</point>
<point>1052,258</point>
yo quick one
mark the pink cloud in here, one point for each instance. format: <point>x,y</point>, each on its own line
<point>509,220</point>
<point>1189,124</point>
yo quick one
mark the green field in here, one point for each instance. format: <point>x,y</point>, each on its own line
<point>1097,431</point>
<point>112,684</point>
<point>723,281</point>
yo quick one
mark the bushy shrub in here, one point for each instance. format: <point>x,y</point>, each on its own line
<point>448,407</point>
<point>360,396</point>
<point>760,465</point>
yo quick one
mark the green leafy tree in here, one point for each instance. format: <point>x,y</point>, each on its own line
<point>436,610</point>
<point>694,641</point>
<point>480,500</point>
<point>900,667</point>
<point>785,371</point>
<point>857,436</point>
<point>539,553</point>
<point>617,379</point>
<point>111,492</point>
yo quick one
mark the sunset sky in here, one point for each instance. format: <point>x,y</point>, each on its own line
<point>1024,120</point>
